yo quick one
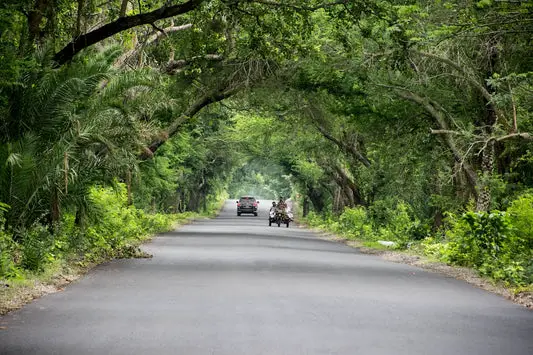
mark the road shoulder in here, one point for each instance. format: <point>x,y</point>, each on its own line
<point>471,276</point>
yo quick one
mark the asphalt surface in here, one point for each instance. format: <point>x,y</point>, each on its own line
<point>234,286</point>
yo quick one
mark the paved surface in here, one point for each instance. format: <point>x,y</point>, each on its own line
<point>234,286</point>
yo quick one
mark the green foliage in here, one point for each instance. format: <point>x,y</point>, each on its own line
<point>9,250</point>
<point>357,224</point>
<point>118,225</point>
<point>498,244</point>
<point>36,248</point>
<point>477,237</point>
<point>116,231</point>
<point>520,214</point>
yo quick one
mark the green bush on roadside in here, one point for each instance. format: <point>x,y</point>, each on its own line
<point>392,224</point>
<point>498,243</point>
<point>356,224</point>
<point>9,250</point>
<point>114,231</point>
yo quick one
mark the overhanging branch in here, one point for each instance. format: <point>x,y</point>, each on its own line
<point>122,24</point>
<point>173,128</point>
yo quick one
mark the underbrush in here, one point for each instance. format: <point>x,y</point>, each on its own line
<point>499,244</point>
<point>396,224</point>
<point>113,230</point>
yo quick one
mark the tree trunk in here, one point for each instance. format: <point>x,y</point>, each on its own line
<point>81,6</point>
<point>55,212</point>
<point>128,187</point>
<point>123,8</point>
<point>80,218</point>
<point>338,201</point>
<point>35,18</point>
<point>317,199</point>
<point>488,127</point>
<point>487,168</point>
<point>305,206</point>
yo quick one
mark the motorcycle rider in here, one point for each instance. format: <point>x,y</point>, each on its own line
<point>281,204</point>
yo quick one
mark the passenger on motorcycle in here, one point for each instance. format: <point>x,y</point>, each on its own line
<point>281,204</point>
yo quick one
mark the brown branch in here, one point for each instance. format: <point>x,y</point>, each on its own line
<point>444,131</point>
<point>439,118</point>
<point>123,8</point>
<point>165,31</point>
<point>173,128</point>
<point>174,66</point>
<point>524,135</point>
<point>484,92</point>
<point>345,147</point>
<point>151,40</point>
<point>122,24</point>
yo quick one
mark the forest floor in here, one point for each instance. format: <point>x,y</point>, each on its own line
<point>410,257</point>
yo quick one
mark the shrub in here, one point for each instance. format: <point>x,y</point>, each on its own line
<point>495,243</point>
<point>118,224</point>
<point>36,248</point>
<point>356,224</point>
<point>521,217</point>
<point>398,224</point>
<point>476,237</point>
<point>8,250</point>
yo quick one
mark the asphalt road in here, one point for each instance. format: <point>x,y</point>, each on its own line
<point>234,286</point>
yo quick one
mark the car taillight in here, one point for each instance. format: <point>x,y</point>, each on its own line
<point>255,204</point>
<point>238,205</point>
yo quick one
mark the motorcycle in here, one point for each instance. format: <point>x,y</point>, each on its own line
<point>280,216</point>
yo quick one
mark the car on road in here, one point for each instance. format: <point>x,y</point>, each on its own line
<point>247,204</point>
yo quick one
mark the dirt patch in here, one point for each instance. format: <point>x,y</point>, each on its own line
<point>461,273</point>
<point>14,295</point>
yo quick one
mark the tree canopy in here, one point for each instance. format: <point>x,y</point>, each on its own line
<point>416,108</point>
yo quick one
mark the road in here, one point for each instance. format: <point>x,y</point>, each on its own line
<point>233,285</point>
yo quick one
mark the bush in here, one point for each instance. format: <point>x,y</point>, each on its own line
<point>118,224</point>
<point>521,217</point>
<point>356,224</point>
<point>476,237</point>
<point>398,224</point>
<point>8,249</point>
<point>115,230</point>
<point>36,248</point>
<point>393,224</point>
<point>498,244</point>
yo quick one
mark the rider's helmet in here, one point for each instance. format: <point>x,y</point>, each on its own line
<point>273,203</point>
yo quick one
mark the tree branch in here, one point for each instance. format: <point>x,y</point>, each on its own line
<point>123,8</point>
<point>175,66</point>
<point>172,129</point>
<point>484,92</point>
<point>345,147</point>
<point>165,31</point>
<point>439,118</point>
<point>119,25</point>
<point>524,135</point>
<point>444,131</point>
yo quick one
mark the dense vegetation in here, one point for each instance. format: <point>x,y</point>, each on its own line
<point>405,121</point>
